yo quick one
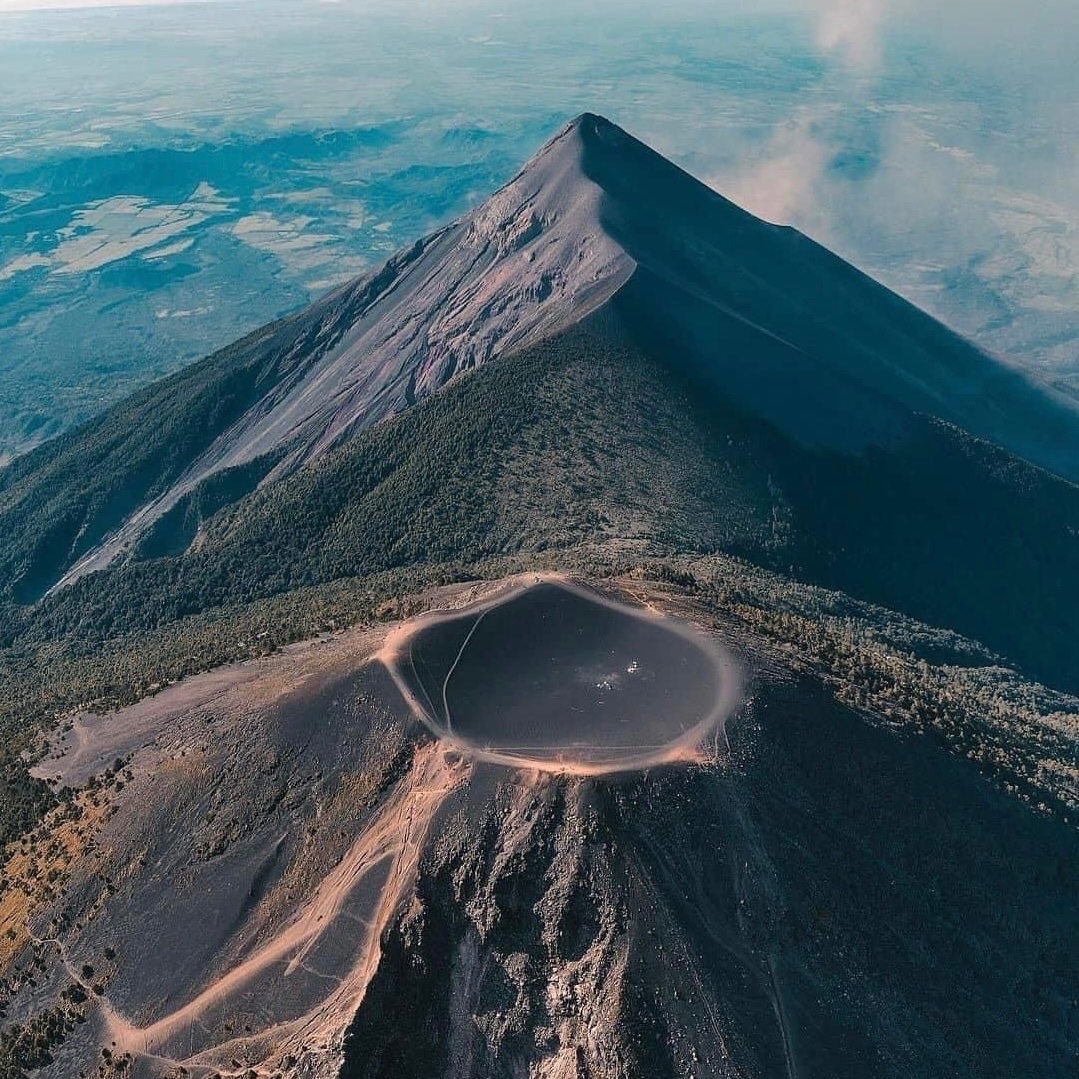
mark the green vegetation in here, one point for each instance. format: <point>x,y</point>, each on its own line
<point>574,443</point>
<point>577,454</point>
<point>912,678</point>
<point>58,501</point>
<point>547,453</point>
<point>579,442</point>
<point>25,1047</point>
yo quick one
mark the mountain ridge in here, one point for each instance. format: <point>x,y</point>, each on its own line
<point>388,729</point>
<point>596,220</point>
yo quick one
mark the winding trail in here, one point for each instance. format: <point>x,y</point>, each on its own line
<point>454,666</point>
<point>397,833</point>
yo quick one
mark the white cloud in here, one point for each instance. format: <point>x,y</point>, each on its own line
<point>22,264</point>
<point>116,228</point>
<point>169,250</point>
<point>188,313</point>
<point>301,250</point>
<point>851,29</point>
<point>782,182</point>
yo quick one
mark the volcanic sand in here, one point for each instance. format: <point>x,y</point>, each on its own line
<point>541,674</point>
<point>550,675</point>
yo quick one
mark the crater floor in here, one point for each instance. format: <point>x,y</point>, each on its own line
<point>553,676</point>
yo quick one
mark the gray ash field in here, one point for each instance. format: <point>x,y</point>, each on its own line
<point>552,675</point>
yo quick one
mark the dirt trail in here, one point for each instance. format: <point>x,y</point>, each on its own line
<point>397,833</point>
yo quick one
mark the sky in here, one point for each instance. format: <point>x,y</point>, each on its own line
<point>62,5</point>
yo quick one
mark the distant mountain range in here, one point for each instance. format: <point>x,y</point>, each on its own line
<point>610,371</point>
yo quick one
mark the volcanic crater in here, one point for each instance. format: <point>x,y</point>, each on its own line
<point>552,676</point>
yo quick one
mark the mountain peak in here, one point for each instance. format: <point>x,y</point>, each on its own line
<point>592,125</point>
<point>583,123</point>
<point>630,185</point>
<point>585,142</point>
<point>591,120</point>
<point>782,328</point>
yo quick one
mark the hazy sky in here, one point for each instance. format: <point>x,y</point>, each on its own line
<point>43,5</point>
<point>1039,40</point>
<point>934,144</point>
<point>1042,32</point>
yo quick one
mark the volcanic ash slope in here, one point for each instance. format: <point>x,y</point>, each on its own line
<point>596,229</point>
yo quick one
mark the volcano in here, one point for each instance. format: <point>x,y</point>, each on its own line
<point>616,638</point>
<point>596,228</point>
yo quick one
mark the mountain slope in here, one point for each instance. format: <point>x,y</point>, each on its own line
<point>581,442</point>
<point>285,864</point>
<point>596,221</point>
<point>606,931</point>
<point>849,853</point>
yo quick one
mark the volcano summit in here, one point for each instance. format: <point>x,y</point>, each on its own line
<point>597,228</point>
<point>616,638</point>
